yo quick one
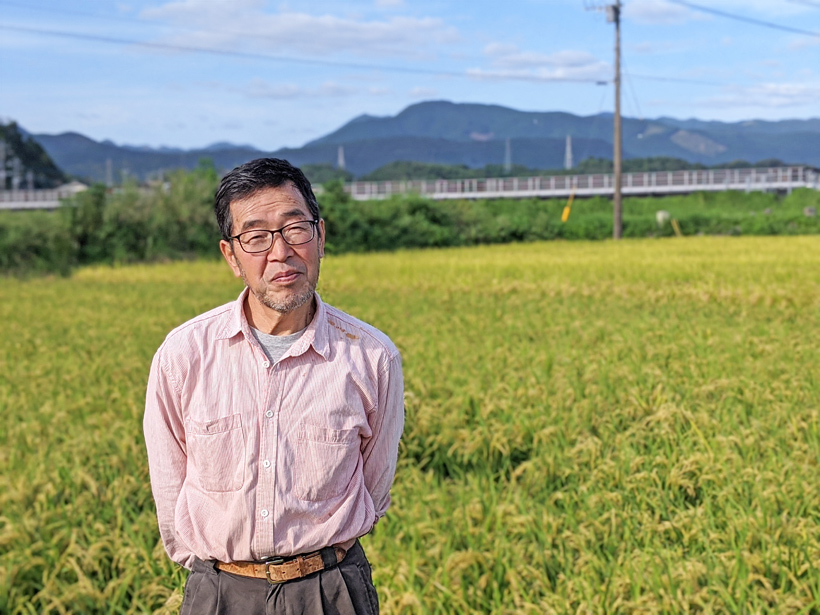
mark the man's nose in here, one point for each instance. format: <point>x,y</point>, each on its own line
<point>280,249</point>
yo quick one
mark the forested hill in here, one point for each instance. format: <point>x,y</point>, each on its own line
<point>473,135</point>
<point>23,157</point>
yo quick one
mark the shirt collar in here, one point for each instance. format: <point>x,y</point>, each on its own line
<point>315,335</point>
<point>236,323</point>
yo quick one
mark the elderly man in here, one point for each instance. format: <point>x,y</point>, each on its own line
<point>272,423</point>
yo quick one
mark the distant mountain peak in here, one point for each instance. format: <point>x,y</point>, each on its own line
<point>226,145</point>
<point>364,117</point>
<point>471,134</point>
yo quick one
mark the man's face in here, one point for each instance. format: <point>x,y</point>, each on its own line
<point>284,277</point>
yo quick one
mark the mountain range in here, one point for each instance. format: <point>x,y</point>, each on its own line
<point>468,134</point>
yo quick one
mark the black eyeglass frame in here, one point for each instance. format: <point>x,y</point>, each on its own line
<point>313,224</point>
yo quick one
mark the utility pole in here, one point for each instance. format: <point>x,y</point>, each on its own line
<point>613,15</point>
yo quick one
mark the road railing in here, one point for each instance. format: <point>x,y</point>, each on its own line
<point>779,179</point>
<point>38,199</point>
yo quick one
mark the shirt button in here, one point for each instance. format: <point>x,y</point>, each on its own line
<point>269,413</point>
<point>264,513</point>
<point>266,364</point>
<point>266,463</point>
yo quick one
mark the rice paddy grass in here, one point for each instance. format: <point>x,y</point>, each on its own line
<point>603,427</point>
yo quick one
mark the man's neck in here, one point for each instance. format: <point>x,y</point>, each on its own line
<point>270,321</point>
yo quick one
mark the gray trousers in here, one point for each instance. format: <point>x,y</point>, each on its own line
<point>346,589</point>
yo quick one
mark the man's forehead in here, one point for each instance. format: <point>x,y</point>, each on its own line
<point>283,201</point>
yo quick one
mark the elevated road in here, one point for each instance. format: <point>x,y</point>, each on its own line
<point>38,199</point>
<point>660,183</point>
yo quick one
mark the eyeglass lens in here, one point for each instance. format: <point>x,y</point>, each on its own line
<point>262,239</point>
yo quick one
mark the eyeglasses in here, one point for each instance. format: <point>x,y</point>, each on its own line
<point>261,240</point>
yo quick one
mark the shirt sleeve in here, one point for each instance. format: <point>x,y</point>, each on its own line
<point>380,453</point>
<point>163,426</point>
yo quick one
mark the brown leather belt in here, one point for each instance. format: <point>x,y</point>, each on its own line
<point>279,570</point>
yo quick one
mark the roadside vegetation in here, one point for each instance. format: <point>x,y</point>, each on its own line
<point>592,427</point>
<point>174,220</point>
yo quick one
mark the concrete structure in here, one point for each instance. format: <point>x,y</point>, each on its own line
<point>660,183</point>
<point>39,199</point>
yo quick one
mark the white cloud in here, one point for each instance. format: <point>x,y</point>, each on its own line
<point>663,12</point>
<point>767,95</point>
<point>423,93</point>
<point>259,88</point>
<point>803,42</point>
<point>248,26</point>
<point>765,7</point>
<point>600,72</point>
<point>500,49</point>
<point>657,12</point>
<point>510,56</point>
<point>651,48</point>
<point>508,61</point>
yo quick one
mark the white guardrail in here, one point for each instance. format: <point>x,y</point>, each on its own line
<point>777,179</point>
<point>780,179</point>
<point>38,199</point>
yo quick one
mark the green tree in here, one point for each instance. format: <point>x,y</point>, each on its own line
<point>32,158</point>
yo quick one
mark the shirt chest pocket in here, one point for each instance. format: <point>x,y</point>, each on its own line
<point>326,460</point>
<point>216,451</point>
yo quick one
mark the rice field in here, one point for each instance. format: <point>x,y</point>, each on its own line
<point>592,428</point>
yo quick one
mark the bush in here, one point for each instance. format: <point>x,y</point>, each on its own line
<point>175,220</point>
<point>36,242</point>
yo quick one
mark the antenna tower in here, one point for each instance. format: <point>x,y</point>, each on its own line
<point>507,156</point>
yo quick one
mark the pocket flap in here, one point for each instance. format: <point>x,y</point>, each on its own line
<point>313,433</point>
<point>220,425</point>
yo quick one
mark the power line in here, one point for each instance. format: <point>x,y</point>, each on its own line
<point>806,3</point>
<point>314,62</point>
<point>632,89</point>
<point>354,65</point>
<point>65,11</point>
<point>756,22</point>
<point>290,59</point>
<point>679,80</point>
<point>143,23</point>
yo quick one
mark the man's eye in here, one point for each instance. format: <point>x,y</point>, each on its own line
<point>255,237</point>
<point>298,230</point>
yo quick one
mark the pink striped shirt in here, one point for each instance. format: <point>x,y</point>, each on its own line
<point>249,459</point>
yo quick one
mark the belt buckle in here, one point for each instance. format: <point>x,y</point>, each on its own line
<point>274,561</point>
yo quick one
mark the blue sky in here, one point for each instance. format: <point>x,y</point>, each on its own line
<point>187,73</point>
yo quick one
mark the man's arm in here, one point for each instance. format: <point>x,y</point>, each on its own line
<point>380,453</point>
<point>167,457</point>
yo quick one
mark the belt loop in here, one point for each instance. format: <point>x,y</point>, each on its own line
<point>329,557</point>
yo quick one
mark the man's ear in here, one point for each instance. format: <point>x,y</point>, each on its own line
<point>321,227</point>
<point>226,247</point>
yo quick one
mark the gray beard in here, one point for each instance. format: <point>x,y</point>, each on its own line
<point>292,303</point>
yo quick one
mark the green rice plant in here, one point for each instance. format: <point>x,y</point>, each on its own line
<point>628,427</point>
